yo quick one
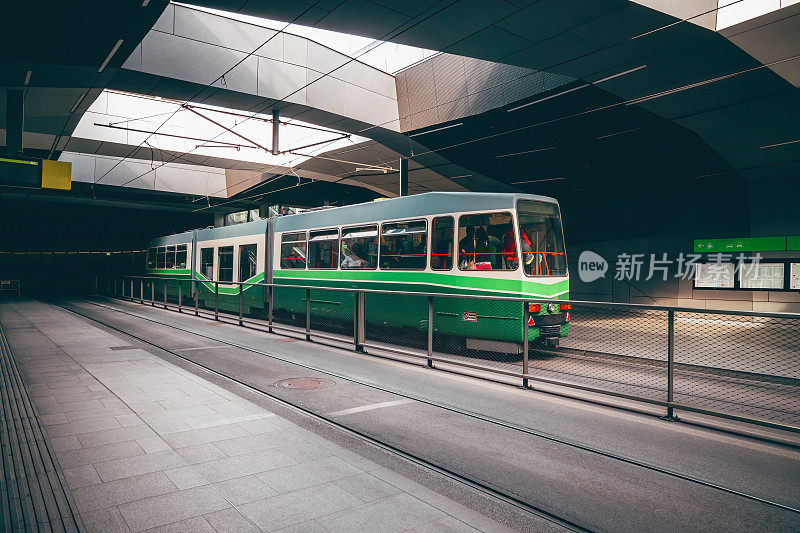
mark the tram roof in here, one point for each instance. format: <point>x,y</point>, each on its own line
<point>405,207</point>
<point>417,205</point>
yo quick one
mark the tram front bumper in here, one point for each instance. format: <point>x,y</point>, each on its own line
<point>550,325</point>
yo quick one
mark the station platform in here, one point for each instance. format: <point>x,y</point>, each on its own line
<point>155,421</point>
<point>144,445</point>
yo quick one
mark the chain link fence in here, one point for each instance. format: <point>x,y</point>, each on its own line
<point>738,365</point>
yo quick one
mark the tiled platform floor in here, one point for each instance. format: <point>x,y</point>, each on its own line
<point>146,445</point>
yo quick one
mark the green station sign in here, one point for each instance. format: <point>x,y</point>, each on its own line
<point>793,243</point>
<point>743,244</point>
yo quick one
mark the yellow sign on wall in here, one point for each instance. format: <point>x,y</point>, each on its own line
<point>56,175</point>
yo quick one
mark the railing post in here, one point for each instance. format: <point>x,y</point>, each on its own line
<point>358,321</point>
<point>196,288</point>
<point>153,292</point>
<point>165,294</point>
<point>180,296</point>
<point>241,302</point>
<point>308,314</point>
<point>430,331</point>
<point>670,364</point>
<point>141,291</point>
<point>525,338</point>
<point>269,306</point>
<point>216,300</point>
<point>131,289</point>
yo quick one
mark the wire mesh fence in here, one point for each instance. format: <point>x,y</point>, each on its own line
<point>738,365</point>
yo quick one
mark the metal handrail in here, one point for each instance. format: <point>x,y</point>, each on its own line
<point>619,305</point>
<point>359,326</point>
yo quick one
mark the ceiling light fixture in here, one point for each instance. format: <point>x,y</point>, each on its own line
<point>110,55</point>
<point>632,130</point>
<point>437,129</point>
<point>538,180</point>
<point>780,144</point>
<point>629,71</point>
<point>526,152</point>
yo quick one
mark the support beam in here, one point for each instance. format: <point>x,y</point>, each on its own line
<point>403,177</point>
<point>276,122</point>
<point>15,113</point>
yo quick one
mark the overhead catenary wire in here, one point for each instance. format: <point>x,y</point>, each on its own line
<point>555,65</point>
<point>274,103</point>
<point>198,93</point>
<point>475,140</point>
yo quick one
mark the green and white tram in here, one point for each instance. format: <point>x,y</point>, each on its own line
<point>490,244</point>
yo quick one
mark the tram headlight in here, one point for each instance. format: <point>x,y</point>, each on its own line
<point>551,308</point>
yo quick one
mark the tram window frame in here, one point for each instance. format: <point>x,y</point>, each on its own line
<point>402,258</point>
<point>161,257</point>
<point>316,239</point>
<point>170,257</point>
<point>434,243</point>
<point>502,254</point>
<point>558,239</point>
<point>250,252</point>
<point>205,254</point>
<point>181,256</point>
<point>295,261</point>
<point>365,232</point>
<point>151,258</point>
<point>227,252</point>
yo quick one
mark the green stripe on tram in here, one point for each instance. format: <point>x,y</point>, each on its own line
<point>392,281</point>
<point>208,284</point>
<point>169,271</point>
<point>422,282</point>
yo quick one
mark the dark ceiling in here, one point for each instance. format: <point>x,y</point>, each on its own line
<point>689,126</point>
<point>697,117</point>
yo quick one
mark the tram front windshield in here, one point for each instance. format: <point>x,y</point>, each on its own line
<point>541,239</point>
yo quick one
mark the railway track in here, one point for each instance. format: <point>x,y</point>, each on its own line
<point>493,492</point>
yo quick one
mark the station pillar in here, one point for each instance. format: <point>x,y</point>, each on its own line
<point>15,113</point>
<point>403,177</point>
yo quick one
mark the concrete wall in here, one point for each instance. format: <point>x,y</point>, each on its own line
<point>674,291</point>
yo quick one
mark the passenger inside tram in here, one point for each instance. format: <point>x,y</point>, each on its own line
<point>487,242</point>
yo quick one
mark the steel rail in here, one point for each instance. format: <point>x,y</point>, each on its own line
<point>457,410</point>
<point>476,485</point>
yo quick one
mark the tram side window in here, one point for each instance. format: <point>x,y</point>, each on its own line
<point>207,262</point>
<point>486,242</point>
<point>151,258</point>
<point>170,263</point>
<point>180,256</point>
<point>225,255</point>
<point>323,249</point>
<point>248,261</point>
<point>359,248</point>
<point>161,257</point>
<point>293,250</point>
<point>404,245</point>
<point>442,243</point>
